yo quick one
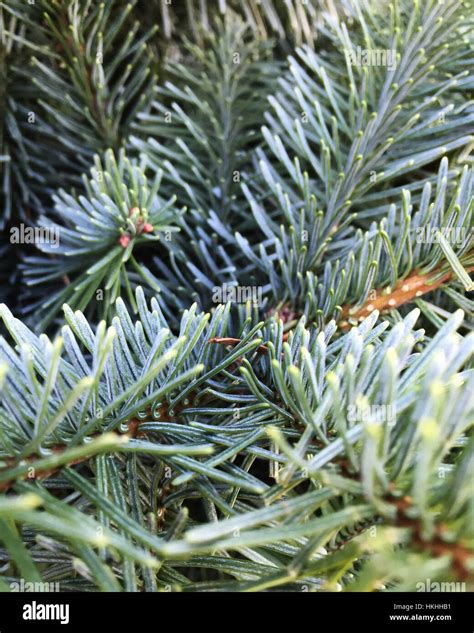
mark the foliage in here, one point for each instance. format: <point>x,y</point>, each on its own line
<point>236,354</point>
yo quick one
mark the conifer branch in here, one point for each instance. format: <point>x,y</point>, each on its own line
<point>405,291</point>
<point>212,377</point>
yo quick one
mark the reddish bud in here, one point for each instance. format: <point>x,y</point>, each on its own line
<point>148,228</point>
<point>124,240</point>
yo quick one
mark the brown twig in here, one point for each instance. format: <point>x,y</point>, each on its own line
<point>227,340</point>
<point>40,474</point>
<point>132,432</point>
<point>405,290</point>
<point>436,547</point>
<point>461,556</point>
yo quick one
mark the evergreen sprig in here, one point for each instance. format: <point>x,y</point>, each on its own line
<point>92,73</point>
<point>100,232</point>
<point>203,122</point>
<point>405,244</point>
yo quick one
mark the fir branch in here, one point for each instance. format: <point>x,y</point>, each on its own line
<point>404,244</point>
<point>100,232</point>
<point>92,76</point>
<point>203,122</point>
<point>404,292</point>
